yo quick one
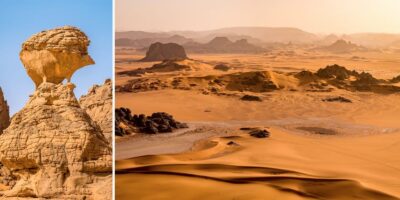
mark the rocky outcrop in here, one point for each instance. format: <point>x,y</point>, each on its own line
<point>335,71</point>
<point>54,55</point>
<point>98,105</point>
<point>250,98</point>
<point>395,79</point>
<point>159,52</point>
<point>4,113</point>
<point>337,99</point>
<point>165,66</point>
<point>222,67</point>
<point>160,122</point>
<point>259,133</point>
<point>327,79</point>
<point>52,146</point>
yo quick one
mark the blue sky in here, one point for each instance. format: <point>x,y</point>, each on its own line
<point>20,19</point>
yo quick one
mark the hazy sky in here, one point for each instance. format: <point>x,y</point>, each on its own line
<point>20,19</point>
<point>318,16</point>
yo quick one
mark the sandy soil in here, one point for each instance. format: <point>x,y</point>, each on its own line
<point>360,161</point>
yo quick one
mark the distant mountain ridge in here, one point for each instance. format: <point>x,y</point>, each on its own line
<point>342,46</point>
<point>223,45</point>
<point>251,34</point>
<point>254,35</point>
<point>146,42</point>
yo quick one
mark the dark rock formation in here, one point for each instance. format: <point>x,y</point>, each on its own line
<point>337,99</point>
<point>342,78</point>
<point>335,71</point>
<point>250,98</point>
<point>259,133</point>
<point>395,79</point>
<point>160,122</point>
<point>222,67</point>
<point>256,81</point>
<point>159,52</point>
<point>318,130</point>
<point>232,143</point>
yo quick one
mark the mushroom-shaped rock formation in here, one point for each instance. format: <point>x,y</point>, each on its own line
<point>52,148</point>
<point>54,55</point>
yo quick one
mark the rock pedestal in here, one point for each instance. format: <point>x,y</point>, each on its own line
<point>52,147</point>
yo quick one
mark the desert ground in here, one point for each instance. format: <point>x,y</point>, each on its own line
<point>316,149</point>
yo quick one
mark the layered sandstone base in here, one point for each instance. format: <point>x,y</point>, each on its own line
<point>53,149</point>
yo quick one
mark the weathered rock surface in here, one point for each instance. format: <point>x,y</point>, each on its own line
<point>54,55</point>
<point>98,104</point>
<point>4,113</point>
<point>53,148</point>
<point>170,51</point>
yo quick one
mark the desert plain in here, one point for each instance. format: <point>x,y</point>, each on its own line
<point>326,139</point>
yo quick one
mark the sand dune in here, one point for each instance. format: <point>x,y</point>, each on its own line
<point>263,168</point>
